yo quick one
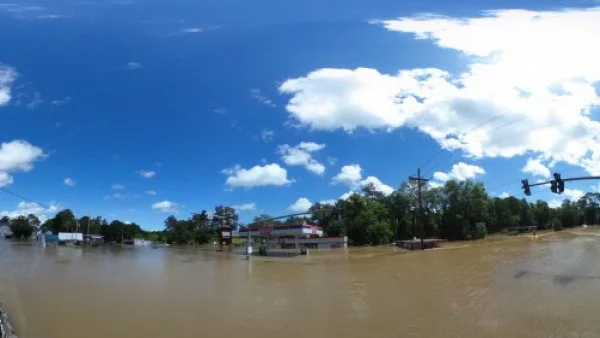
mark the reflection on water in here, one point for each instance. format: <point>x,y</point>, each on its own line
<point>515,288</point>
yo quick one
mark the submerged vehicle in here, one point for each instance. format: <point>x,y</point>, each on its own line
<point>6,330</point>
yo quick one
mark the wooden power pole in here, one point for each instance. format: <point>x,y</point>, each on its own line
<point>419,180</point>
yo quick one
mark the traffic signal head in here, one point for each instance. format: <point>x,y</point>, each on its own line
<point>553,186</point>
<point>525,187</point>
<point>560,184</point>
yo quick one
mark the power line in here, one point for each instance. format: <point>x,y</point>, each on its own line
<point>491,119</point>
<point>23,198</point>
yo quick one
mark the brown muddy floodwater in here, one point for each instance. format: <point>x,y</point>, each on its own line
<point>518,287</point>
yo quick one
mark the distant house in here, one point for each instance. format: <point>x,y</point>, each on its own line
<point>93,239</point>
<point>5,230</point>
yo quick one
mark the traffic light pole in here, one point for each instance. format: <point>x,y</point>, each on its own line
<point>554,184</point>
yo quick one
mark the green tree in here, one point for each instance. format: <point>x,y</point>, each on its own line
<point>21,228</point>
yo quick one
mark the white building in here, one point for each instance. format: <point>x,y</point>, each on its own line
<point>4,230</point>
<point>297,236</point>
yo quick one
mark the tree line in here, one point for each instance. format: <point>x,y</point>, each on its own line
<point>456,211</point>
<point>459,210</point>
<point>24,227</point>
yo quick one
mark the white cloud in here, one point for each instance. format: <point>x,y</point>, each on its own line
<point>301,155</point>
<point>347,195</point>
<point>349,175</point>
<point>69,181</point>
<point>118,186</point>
<point>28,208</point>
<point>151,192</point>
<point>7,77</point>
<point>258,96</point>
<point>536,168</point>
<point>377,185</point>
<point>460,172</point>
<point>331,160</point>
<point>328,202</point>
<point>267,135</point>
<point>257,176</point>
<point>146,174</point>
<point>504,195</point>
<point>192,30</point>
<point>554,203</point>
<point>302,204</point>
<point>573,194</point>
<point>61,101</point>
<point>244,207</point>
<point>596,188</point>
<point>133,66</point>
<point>539,77</point>
<point>18,155</point>
<point>165,206</point>
<point>117,196</point>
<point>5,179</point>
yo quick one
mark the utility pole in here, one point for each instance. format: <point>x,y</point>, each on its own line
<point>419,180</point>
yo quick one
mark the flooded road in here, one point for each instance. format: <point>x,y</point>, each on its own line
<point>505,288</point>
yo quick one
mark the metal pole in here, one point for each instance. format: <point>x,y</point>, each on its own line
<point>249,244</point>
<point>420,208</point>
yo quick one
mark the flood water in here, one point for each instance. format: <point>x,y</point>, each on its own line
<point>518,287</point>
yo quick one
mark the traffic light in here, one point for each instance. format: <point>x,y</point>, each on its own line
<point>560,184</point>
<point>553,186</point>
<point>525,187</point>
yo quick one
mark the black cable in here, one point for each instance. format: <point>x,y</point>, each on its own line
<point>23,198</point>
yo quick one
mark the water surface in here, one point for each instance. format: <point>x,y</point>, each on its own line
<point>496,288</point>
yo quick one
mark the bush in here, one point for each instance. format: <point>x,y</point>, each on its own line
<point>480,231</point>
<point>556,224</point>
<point>381,233</point>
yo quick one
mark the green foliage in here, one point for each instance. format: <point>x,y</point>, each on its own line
<point>22,227</point>
<point>556,224</point>
<point>480,230</point>
<point>200,228</point>
<point>451,212</point>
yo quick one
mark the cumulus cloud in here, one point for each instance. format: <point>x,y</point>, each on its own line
<point>69,181</point>
<point>18,155</point>
<point>165,206</point>
<point>257,176</point>
<point>31,208</point>
<point>244,207</point>
<point>539,77</point>
<point>460,172</point>
<point>5,179</point>
<point>7,77</point>
<point>302,204</point>
<point>377,185</point>
<point>258,96</point>
<point>146,173</point>
<point>504,195</point>
<point>536,168</point>
<point>573,194</point>
<point>351,175</point>
<point>301,155</point>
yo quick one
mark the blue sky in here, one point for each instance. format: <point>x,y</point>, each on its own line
<point>138,109</point>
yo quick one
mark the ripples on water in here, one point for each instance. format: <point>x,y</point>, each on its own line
<point>514,288</point>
